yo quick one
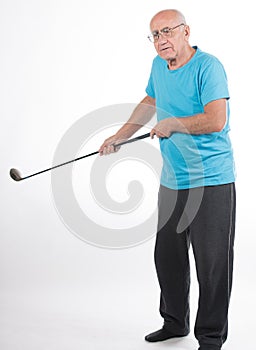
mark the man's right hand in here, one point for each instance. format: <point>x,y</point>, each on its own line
<point>141,115</point>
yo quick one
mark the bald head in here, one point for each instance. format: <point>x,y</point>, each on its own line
<point>172,15</point>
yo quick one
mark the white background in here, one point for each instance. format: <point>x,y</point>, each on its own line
<point>59,61</point>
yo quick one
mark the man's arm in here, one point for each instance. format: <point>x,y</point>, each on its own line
<point>212,120</point>
<point>141,115</point>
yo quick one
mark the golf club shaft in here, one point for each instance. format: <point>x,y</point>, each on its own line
<point>87,155</point>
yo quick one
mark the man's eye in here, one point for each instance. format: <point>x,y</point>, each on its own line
<point>155,35</point>
<point>166,30</point>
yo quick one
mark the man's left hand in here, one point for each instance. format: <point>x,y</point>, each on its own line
<point>162,129</point>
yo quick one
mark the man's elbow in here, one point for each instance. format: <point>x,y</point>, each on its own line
<point>149,100</point>
<point>216,112</point>
<point>220,123</point>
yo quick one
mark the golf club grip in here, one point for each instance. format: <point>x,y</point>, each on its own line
<point>133,140</point>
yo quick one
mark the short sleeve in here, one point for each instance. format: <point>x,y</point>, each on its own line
<point>214,83</point>
<point>150,90</point>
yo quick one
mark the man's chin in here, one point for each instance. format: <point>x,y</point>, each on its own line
<point>167,57</point>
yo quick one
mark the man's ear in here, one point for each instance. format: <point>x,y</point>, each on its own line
<point>186,32</point>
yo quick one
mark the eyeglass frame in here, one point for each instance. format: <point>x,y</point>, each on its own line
<point>164,34</point>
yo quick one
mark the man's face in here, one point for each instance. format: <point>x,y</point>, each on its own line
<point>170,45</point>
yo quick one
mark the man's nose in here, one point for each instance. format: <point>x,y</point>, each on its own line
<point>162,39</point>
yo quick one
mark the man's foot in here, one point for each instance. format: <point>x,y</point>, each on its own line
<point>209,347</point>
<point>161,335</point>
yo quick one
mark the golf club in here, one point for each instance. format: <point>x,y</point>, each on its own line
<point>16,175</point>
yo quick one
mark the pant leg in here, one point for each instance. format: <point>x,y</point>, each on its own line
<point>172,262</point>
<point>212,238</point>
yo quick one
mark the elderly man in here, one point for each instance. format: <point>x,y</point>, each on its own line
<point>188,89</point>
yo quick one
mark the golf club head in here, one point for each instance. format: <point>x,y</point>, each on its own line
<point>15,174</point>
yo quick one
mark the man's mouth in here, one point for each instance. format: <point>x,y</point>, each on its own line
<point>165,48</point>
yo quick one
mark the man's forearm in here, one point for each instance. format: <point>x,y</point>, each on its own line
<point>212,120</point>
<point>198,124</point>
<point>141,115</point>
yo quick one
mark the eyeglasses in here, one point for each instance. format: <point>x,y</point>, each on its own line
<point>165,32</point>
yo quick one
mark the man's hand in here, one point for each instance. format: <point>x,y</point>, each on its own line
<point>162,129</point>
<point>108,145</point>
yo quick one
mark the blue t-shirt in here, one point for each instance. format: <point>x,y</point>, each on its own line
<point>192,160</point>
